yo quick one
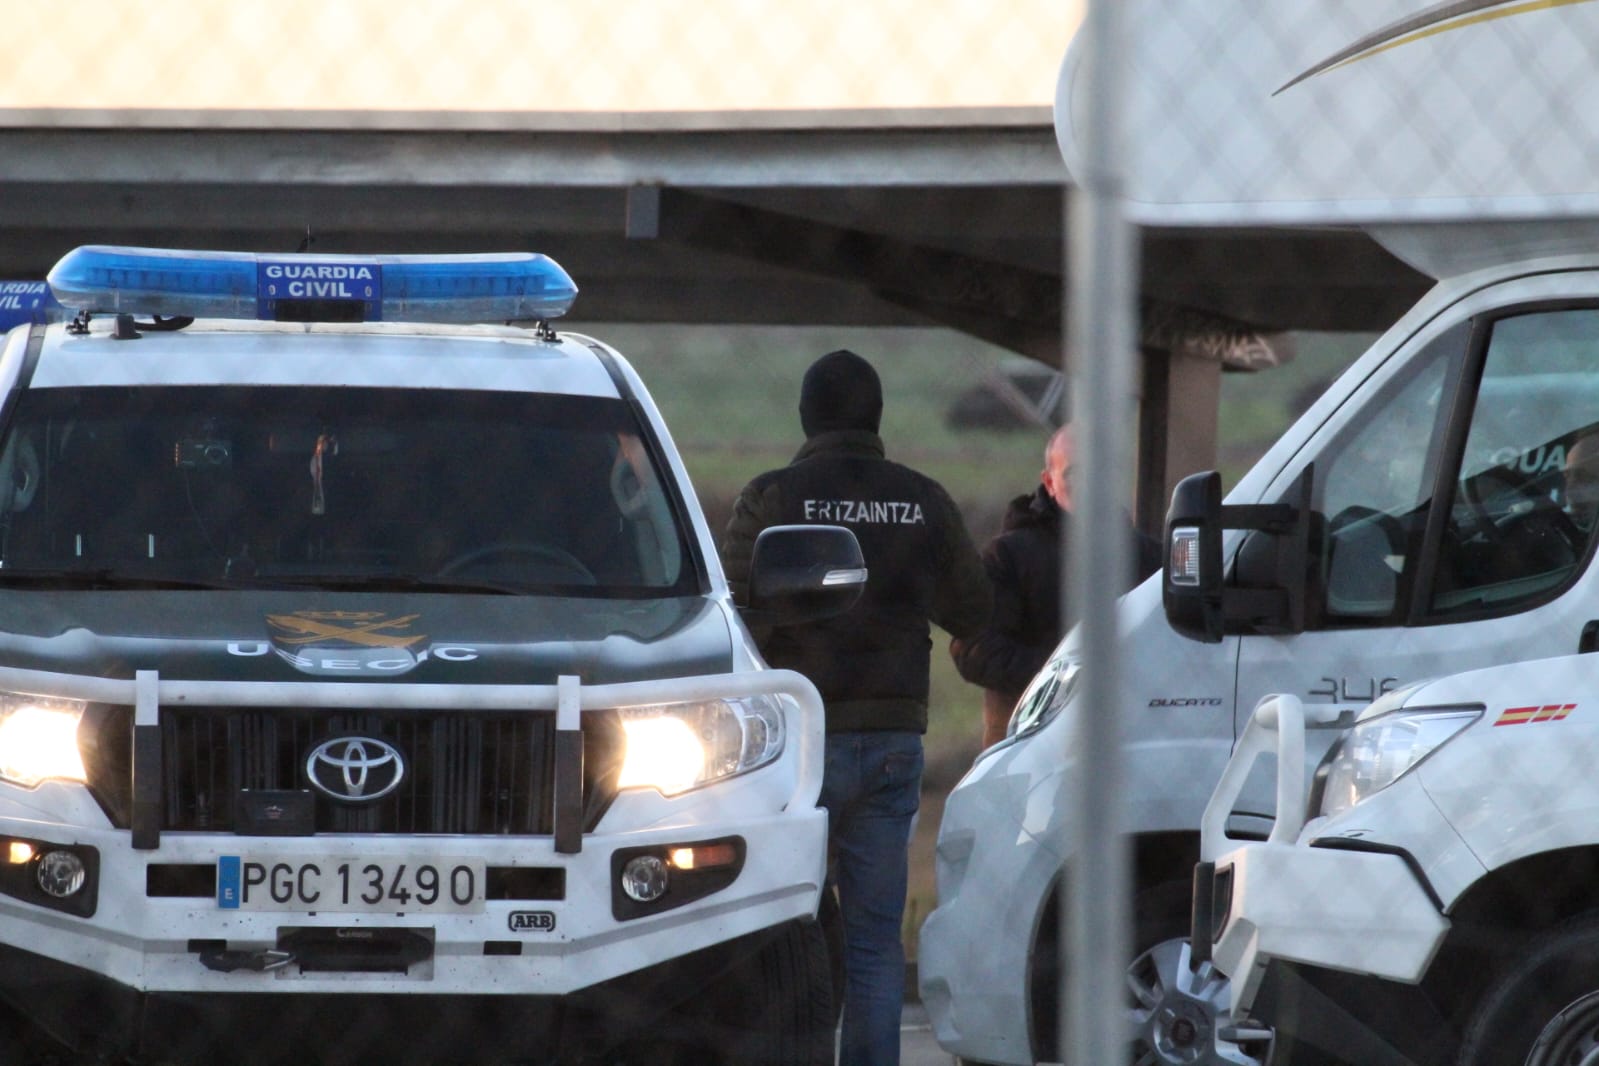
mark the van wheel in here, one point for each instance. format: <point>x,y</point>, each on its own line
<point>1162,914</point>
<point>1175,1011</point>
<point>776,1007</point>
<point>1544,1011</point>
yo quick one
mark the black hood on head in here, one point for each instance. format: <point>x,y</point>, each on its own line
<point>840,391</point>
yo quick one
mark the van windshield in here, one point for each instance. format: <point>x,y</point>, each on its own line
<point>338,488</point>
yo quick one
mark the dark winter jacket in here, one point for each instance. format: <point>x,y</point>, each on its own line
<point>1024,564</point>
<point>871,663</point>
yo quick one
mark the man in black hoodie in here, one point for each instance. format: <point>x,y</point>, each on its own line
<point>870,664</point>
<point>1024,565</point>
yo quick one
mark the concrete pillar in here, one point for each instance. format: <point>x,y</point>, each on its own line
<point>1178,417</point>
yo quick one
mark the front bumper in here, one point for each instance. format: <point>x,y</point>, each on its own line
<point>100,1017</point>
<point>153,924</point>
<point>1362,912</point>
<point>149,940</point>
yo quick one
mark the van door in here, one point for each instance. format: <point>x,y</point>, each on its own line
<point>1452,517</point>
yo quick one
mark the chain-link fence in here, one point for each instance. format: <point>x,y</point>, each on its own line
<point>357,128</point>
<point>1253,188</point>
<point>1393,867</point>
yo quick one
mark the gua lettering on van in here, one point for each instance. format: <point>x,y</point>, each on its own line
<point>1537,460</point>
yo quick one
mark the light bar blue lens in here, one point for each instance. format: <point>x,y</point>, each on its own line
<point>518,286</point>
<point>155,281</point>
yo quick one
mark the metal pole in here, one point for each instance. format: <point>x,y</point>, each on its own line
<point>1100,350</point>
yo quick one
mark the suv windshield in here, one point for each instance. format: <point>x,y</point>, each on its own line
<point>342,488</point>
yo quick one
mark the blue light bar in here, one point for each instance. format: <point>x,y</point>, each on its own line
<point>26,301</point>
<point>508,287</point>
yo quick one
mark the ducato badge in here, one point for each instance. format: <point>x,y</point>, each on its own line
<point>355,769</point>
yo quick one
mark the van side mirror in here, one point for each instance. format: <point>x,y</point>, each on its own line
<point>1199,603</point>
<point>803,573</point>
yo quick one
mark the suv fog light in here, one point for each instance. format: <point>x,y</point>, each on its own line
<point>644,878</point>
<point>703,857</point>
<point>60,873</point>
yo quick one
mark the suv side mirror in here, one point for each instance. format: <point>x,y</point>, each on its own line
<point>1199,605</point>
<point>803,573</point>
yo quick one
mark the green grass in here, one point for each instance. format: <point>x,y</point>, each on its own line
<point>731,397</point>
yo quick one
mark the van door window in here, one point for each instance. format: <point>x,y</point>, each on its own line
<point>1374,487</point>
<point>1522,518</point>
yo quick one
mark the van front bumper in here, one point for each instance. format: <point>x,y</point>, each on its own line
<point>1362,912</point>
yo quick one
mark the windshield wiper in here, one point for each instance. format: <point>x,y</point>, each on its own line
<point>103,577</point>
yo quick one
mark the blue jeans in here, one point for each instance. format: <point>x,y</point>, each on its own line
<point>871,788</point>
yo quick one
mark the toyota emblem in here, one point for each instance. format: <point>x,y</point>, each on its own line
<point>355,769</point>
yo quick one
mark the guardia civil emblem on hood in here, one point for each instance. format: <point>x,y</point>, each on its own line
<point>342,643</point>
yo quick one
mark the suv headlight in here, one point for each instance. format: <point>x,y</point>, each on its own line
<point>1043,699</point>
<point>1378,751</point>
<point>39,739</point>
<point>674,747</point>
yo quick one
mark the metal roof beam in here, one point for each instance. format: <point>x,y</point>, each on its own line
<point>713,159</point>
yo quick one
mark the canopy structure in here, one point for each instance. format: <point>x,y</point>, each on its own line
<point>854,218</point>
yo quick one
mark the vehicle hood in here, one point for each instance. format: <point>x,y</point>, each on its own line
<point>431,639</point>
<point>1530,685</point>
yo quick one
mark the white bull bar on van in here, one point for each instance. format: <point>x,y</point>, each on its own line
<point>1284,899</point>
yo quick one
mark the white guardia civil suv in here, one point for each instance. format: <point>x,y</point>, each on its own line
<point>370,690</point>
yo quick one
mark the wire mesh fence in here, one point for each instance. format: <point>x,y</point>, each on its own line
<point>1368,891</point>
<point>1299,176</point>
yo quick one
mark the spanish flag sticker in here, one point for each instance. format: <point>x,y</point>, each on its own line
<point>1548,712</point>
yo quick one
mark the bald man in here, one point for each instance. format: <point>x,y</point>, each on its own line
<point>1024,566</point>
